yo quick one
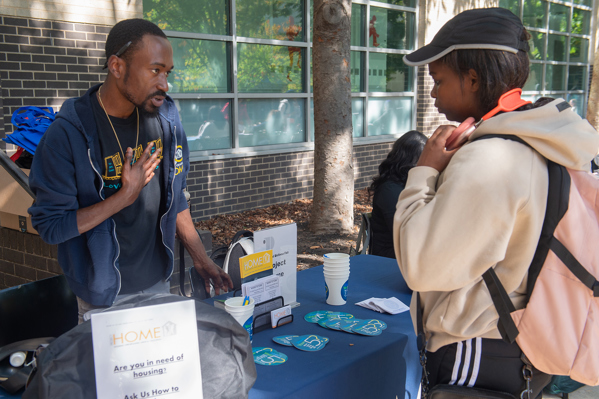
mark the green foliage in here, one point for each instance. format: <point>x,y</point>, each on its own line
<point>200,66</point>
<point>512,5</point>
<point>537,46</point>
<point>268,69</point>
<point>189,15</point>
<point>264,19</point>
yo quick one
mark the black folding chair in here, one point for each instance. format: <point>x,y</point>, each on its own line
<point>364,237</point>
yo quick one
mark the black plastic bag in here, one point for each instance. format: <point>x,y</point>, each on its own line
<point>65,369</point>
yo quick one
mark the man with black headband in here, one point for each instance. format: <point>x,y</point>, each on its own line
<point>110,174</point>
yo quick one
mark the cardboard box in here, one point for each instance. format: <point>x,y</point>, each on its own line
<point>14,202</point>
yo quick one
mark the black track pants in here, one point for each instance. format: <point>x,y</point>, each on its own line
<point>485,363</point>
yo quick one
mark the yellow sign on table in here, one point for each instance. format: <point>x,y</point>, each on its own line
<point>255,263</point>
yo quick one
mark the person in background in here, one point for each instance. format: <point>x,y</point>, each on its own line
<point>109,177</point>
<point>386,187</point>
<point>481,205</point>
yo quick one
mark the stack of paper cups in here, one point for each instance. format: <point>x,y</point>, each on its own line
<point>336,277</point>
<point>243,314</point>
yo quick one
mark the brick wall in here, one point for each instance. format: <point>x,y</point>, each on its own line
<point>427,116</point>
<point>2,134</point>
<point>367,159</point>
<point>235,185</point>
<point>26,257</point>
<point>43,63</point>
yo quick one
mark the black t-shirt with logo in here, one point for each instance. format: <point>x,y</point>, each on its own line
<point>143,258</point>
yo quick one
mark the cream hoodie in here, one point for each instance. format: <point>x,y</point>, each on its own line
<point>484,210</point>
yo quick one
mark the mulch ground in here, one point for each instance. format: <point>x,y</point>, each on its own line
<point>310,247</point>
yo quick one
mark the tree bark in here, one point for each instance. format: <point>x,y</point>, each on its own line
<point>332,209</point>
<point>593,106</point>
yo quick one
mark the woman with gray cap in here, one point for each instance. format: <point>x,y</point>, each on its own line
<point>473,205</point>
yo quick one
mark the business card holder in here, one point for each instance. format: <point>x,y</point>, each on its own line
<point>262,320</point>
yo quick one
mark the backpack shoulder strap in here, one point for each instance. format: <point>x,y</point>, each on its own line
<point>247,243</point>
<point>240,234</point>
<point>557,205</point>
<point>504,306</point>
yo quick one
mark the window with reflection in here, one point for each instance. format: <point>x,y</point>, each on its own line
<point>576,77</point>
<point>387,115</point>
<point>207,123</point>
<point>201,66</point>
<point>270,19</point>
<point>556,77</point>
<point>560,39</point>
<point>512,5</point>
<point>556,48</point>
<point>534,14</point>
<point>537,46</point>
<point>405,3</point>
<point>248,84</point>
<point>210,17</point>
<point>577,102</point>
<point>269,69</point>
<point>535,78</point>
<point>390,28</point>
<point>581,22</point>
<point>559,16</point>
<point>388,73</point>
<point>579,49</point>
<point>271,121</point>
<point>358,24</point>
<point>356,73</point>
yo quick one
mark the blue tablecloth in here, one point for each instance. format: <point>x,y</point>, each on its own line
<point>350,366</point>
<point>5,395</point>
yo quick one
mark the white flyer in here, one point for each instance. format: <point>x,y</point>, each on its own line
<point>262,289</point>
<point>283,242</point>
<point>147,352</point>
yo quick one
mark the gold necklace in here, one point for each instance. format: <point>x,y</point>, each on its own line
<point>114,131</point>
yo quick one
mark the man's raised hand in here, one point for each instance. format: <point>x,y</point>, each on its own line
<point>135,177</point>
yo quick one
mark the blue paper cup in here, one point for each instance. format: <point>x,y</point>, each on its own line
<point>336,289</point>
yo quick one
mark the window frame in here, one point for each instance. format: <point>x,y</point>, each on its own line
<point>307,95</point>
<point>544,61</point>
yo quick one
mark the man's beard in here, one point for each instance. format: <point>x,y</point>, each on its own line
<point>146,107</point>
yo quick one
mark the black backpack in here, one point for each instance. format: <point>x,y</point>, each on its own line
<point>226,256</point>
<point>241,245</point>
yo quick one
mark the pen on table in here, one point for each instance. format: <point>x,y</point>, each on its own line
<point>246,300</point>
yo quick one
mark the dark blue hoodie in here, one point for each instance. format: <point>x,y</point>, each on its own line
<point>66,176</point>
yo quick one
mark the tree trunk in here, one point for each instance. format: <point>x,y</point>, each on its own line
<point>332,209</point>
<point>593,106</point>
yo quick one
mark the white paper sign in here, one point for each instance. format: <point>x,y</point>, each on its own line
<point>262,289</point>
<point>147,352</point>
<point>283,241</point>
